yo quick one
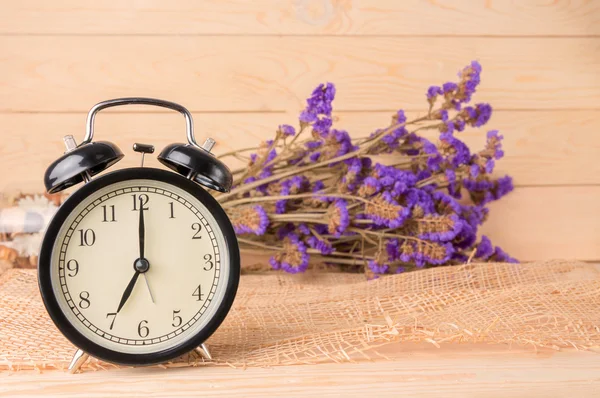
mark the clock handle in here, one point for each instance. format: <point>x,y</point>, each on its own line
<point>189,124</point>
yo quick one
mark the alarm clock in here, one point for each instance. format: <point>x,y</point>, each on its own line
<point>140,265</point>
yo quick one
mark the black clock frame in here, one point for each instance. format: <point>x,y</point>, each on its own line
<point>48,245</point>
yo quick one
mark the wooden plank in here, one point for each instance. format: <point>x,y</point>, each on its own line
<point>59,73</point>
<point>547,222</point>
<point>464,372</point>
<point>542,147</point>
<point>269,17</point>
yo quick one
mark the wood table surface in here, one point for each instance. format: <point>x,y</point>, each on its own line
<point>457,370</point>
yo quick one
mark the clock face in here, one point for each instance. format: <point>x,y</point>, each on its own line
<point>141,266</point>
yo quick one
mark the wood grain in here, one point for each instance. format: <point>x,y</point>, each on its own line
<point>542,147</point>
<point>58,73</point>
<point>464,372</point>
<point>302,17</point>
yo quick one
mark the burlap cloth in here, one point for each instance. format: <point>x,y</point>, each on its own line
<point>280,319</point>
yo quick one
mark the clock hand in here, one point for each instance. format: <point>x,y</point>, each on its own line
<point>149,290</point>
<point>142,235</point>
<point>128,290</point>
<point>142,229</point>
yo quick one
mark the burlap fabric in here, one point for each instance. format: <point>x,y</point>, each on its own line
<point>281,319</point>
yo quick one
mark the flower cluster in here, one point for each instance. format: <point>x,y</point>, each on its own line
<point>324,198</point>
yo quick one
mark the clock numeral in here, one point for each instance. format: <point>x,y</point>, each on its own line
<point>73,266</point>
<point>172,209</point>
<point>114,315</point>
<point>198,293</point>
<point>84,303</point>
<point>142,199</point>
<point>143,330</point>
<point>177,321</point>
<point>105,212</point>
<point>209,264</point>
<point>87,237</point>
<point>197,227</point>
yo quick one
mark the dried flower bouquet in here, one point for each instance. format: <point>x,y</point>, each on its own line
<point>316,194</point>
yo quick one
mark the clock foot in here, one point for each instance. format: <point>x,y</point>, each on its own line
<point>203,350</point>
<point>78,360</point>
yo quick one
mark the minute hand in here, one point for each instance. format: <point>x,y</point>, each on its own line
<point>142,229</point>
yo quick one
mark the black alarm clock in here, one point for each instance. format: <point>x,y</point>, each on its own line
<point>140,265</point>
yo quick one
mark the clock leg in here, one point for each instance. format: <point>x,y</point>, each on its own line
<point>203,350</point>
<point>78,360</point>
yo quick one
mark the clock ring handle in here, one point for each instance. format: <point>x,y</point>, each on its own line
<point>189,124</point>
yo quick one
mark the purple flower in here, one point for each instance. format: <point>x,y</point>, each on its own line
<point>383,210</point>
<point>400,117</point>
<point>395,180</point>
<point>459,125</point>
<point>293,258</point>
<point>486,191</point>
<point>470,77</point>
<point>275,264</point>
<point>313,144</point>
<point>474,215</point>
<point>419,198</point>
<point>317,186</point>
<point>435,159</point>
<point>377,268</point>
<point>448,88</point>
<point>466,237</point>
<point>494,144</point>
<point>489,166</point>
<point>280,206</point>
<point>392,140</point>
<point>440,228</point>
<point>322,126</point>
<point>484,248</point>
<point>339,218</point>
<point>501,256</point>
<point>433,92</point>
<point>342,138</point>
<point>251,220</point>
<point>291,186</point>
<point>392,248</point>
<point>457,152</point>
<point>287,130</point>
<point>284,230</point>
<point>369,187</point>
<point>306,116</point>
<point>315,243</point>
<point>319,103</point>
<point>504,185</point>
<point>445,204</point>
<point>423,252</point>
<point>314,156</point>
<point>303,229</point>
<point>484,113</point>
<point>474,170</point>
<point>447,128</point>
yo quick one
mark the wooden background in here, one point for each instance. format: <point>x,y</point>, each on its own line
<point>243,67</point>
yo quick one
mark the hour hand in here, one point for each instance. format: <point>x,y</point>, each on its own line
<point>128,290</point>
